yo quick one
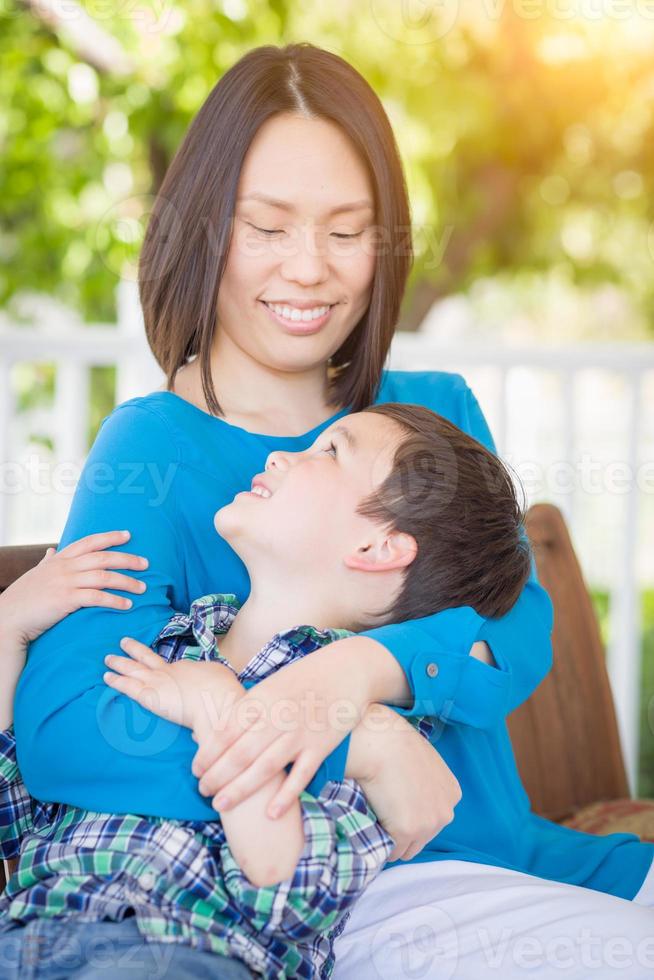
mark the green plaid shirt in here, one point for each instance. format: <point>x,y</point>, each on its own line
<point>180,876</point>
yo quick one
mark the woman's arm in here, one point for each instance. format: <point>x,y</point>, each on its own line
<point>78,741</point>
<point>434,651</point>
<point>400,773</point>
<point>62,582</point>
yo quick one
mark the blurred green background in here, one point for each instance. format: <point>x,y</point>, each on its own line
<point>528,140</point>
<point>526,130</point>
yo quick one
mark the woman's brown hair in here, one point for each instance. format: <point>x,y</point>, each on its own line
<point>186,243</point>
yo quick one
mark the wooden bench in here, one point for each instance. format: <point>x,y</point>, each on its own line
<point>565,736</point>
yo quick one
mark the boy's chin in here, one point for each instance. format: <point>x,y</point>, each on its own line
<point>225,520</point>
<point>233,524</point>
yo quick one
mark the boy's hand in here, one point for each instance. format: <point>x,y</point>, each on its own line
<point>406,782</point>
<point>298,715</point>
<point>193,693</point>
<point>66,580</point>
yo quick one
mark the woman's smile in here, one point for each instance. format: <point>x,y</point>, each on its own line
<point>299,326</point>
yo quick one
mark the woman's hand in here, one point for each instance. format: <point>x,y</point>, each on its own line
<point>194,693</point>
<point>412,791</point>
<point>297,715</point>
<point>66,580</point>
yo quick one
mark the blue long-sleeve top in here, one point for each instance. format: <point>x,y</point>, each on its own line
<point>161,467</point>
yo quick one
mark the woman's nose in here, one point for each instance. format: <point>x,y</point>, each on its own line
<point>307,261</point>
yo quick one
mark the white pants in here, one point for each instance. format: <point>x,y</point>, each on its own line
<point>457,920</point>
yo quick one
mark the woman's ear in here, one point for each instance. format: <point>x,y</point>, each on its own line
<point>384,552</point>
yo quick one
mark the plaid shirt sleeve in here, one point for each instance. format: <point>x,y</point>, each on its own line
<point>345,847</point>
<point>15,801</point>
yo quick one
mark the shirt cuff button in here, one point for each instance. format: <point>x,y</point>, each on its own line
<point>146,881</point>
<point>432,669</point>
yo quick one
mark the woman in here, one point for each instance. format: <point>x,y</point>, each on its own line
<point>271,279</point>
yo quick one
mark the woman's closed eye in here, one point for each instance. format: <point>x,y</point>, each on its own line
<point>279,231</point>
<point>268,231</point>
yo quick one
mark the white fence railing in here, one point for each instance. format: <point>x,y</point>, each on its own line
<point>58,336</point>
<point>506,384</point>
<point>634,365</point>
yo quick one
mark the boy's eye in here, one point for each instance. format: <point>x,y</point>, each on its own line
<point>330,448</point>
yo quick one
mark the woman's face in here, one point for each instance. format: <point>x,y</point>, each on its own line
<point>302,240</point>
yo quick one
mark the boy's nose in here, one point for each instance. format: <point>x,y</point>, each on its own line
<point>277,460</point>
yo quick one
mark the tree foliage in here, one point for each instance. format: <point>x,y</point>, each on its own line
<point>527,139</point>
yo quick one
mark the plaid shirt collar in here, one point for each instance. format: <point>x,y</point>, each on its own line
<point>212,615</point>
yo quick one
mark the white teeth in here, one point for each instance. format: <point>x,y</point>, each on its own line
<point>293,314</point>
<point>261,491</point>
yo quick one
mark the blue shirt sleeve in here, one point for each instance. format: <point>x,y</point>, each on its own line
<point>446,682</point>
<point>78,741</point>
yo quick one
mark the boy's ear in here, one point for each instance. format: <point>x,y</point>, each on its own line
<point>386,552</point>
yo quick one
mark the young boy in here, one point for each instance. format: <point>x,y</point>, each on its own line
<point>392,514</point>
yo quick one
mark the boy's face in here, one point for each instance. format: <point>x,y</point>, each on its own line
<point>304,512</point>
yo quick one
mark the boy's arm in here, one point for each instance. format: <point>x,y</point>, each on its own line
<point>345,843</point>
<point>298,874</point>
<point>268,850</point>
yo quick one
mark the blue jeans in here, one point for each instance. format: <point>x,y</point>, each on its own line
<point>54,949</point>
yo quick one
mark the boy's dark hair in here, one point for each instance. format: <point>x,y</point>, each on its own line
<point>459,502</point>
